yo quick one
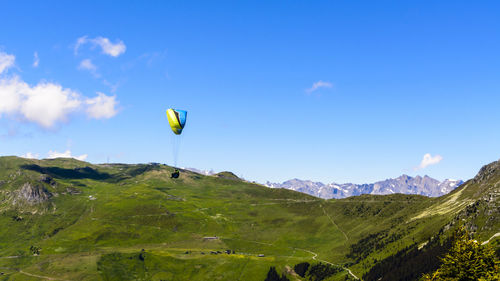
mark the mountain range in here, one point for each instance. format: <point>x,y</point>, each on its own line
<point>405,184</point>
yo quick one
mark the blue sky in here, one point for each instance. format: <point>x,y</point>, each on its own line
<point>395,81</point>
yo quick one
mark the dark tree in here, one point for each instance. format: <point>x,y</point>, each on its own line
<point>272,275</point>
<point>301,268</point>
<point>35,250</point>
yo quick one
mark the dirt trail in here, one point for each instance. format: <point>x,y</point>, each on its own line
<point>39,276</point>
<point>243,270</point>
<point>315,255</point>
<point>10,257</point>
<point>287,201</point>
<point>333,222</point>
<point>491,238</point>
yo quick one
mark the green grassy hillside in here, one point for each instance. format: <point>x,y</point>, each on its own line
<point>71,220</point>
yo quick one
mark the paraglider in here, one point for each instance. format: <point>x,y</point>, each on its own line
<point>177,120</point>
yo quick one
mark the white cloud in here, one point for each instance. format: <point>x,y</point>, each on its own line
<point>6,61</point>
<point>66,154</point>
<point>319,84</point>
<point>36,60</point>
<point>107,47</point>
<point>49,103</point>
<point>428,160</point>
<point>10,96</point>
<point>44,104</point>
<point>101,106</point>
<point>30,155</point>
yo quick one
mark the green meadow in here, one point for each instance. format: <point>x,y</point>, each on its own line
<point>132,222</point>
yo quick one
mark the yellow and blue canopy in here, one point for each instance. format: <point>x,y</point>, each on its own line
<point>176,119</point>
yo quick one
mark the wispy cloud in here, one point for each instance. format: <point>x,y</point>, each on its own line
<point>107,47</point>
<point>87,64</point>
<point>30,155</point>
<point>6,61</point>
<point>429,160</point>
<point>113,87</point>
<point>66,154</point>
<point>318,85</point>
<point>79,42</point>
<point>46,103</point>
<point>36,60</point>
<point>148,59</point>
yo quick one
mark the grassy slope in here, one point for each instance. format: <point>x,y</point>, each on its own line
<point>139,207</point>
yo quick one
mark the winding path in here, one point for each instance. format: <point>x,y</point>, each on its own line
<point>315,255</point>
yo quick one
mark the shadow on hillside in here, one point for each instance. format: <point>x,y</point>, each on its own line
<point>77,173</point>
<point>141,169</point>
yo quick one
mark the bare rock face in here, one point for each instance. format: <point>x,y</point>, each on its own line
<point>487,172</point>
<point>32,194</point>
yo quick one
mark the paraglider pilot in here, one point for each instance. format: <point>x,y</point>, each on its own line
<point>175,174</point>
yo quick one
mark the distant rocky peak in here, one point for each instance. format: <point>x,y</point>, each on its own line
<point>402,177</point>
<point>403,184</point>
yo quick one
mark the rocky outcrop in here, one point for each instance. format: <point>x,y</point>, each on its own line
<point>32,194</point>
<point>482,213</point>
<point>487,172</point>
<point>73,191</point>
<point>48,180</point>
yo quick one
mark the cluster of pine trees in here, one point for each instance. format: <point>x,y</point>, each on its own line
<point>370,244</point>
<point>410,262</point>
<point>467,260</point>
<point>457,258</point>
<point>272,275</point>
<point>315,272</point>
